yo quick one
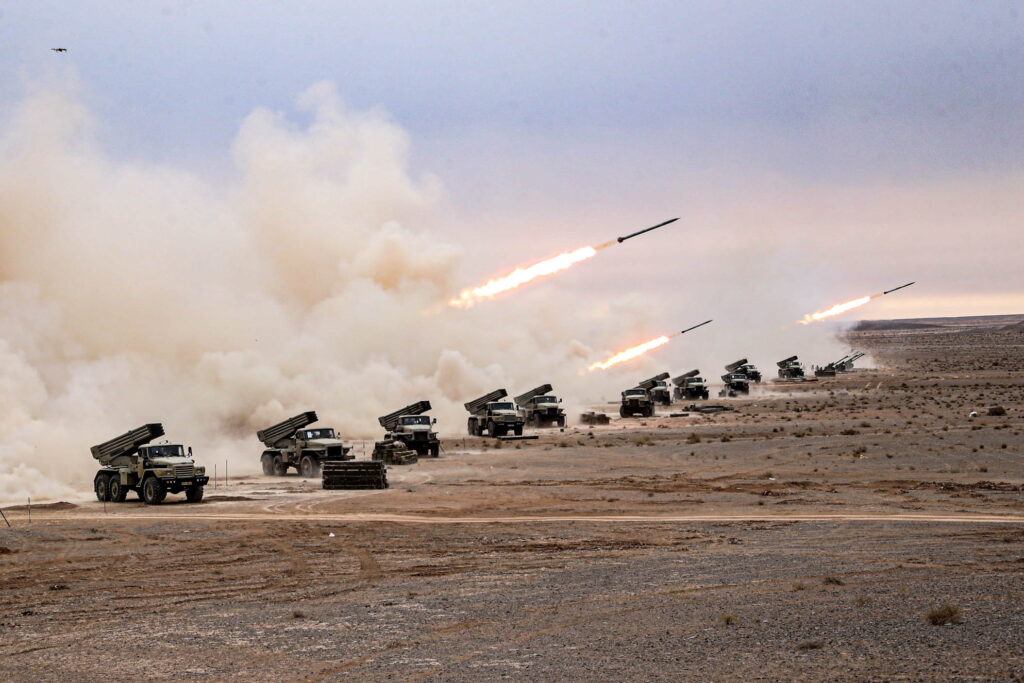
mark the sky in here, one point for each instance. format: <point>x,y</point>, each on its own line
<point>860,142</point>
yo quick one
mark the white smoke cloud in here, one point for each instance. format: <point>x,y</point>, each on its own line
<point>134,293</point>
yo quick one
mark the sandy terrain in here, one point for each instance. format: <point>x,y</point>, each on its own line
<point>806,534</point>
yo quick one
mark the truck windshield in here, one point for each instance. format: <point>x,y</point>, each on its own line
<point>502,406</point>
<point>546,399</point>
<point>635,392</point>
<point>318,434</point>
<point>416,420</point>
<point>166,451</point>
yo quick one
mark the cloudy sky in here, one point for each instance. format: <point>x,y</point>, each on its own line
<point>815,151</point>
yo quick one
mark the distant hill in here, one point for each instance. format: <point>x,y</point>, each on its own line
<point>1014,327</point>
<point>883,325</point>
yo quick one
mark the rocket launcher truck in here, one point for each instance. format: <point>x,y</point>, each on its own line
<point>743,367</point>
<point>293,443</point>
<point>658,389</point>
<point>690,386</point>
<point>790,368</point>
<point>636,401</point>
<point>736,381</point>
<point>410,426</point>
<point>539,408</point>
<point>489,413</point>
<point>129,463</point>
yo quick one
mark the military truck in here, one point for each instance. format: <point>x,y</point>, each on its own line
<point>539,408</point>
<point>293,443</point>
<point>743,367</point>
<point>658,389</point>
<point>492,415</point>
<point>129,463</point>
<point>412,427</point>
<point>790,368</point>
<point>690,386</point>
<point>636,401</point>
<point>735,383</point>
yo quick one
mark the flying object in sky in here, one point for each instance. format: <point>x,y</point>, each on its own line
<point>59,49</point>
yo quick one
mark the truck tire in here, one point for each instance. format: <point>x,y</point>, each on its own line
<point>153,491</point>
<point>194,494</point>
<point>116,490</point>
<point>650,411</point>
<point>518,430</point>
<point>308,467</point>
<point>102,487</point>
<point>435,450</point>
<point>622,411</point>
<point>471,426</point>
<point>492,429</point>
<point>561,422</point>
<point>267,462</point>
<point>280,467</point>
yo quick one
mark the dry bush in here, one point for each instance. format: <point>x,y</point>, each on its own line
<point>833,581</point>
<point>946,614</point>
<point>726,619</point>
<point>810,645</point>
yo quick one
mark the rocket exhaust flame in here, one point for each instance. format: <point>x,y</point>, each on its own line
<point>521,276</point>
<point>629,354</point>
<point>839,309</point>
<point>638,350</point>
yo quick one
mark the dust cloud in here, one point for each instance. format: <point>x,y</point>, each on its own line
<point>312,279</point>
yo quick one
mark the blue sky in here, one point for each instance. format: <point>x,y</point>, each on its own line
<point>576,115</point>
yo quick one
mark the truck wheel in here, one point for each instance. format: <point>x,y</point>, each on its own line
<point>622,411</point>
<point>561,422</point>
<point>518,430</point>
<point>280,468</point>
<point>471,427</point>
<point>102,487</point>
<point>267,462</point>
<point>308,467</point>
<point>492,429</point>
<point>153,491</point>
<point>116,490</point>
<point>435,450</point>
<point>194,494</point>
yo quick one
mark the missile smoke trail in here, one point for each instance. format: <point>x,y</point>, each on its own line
<point>523,275</point>
<point>839,309</point>
<point>638,350</point>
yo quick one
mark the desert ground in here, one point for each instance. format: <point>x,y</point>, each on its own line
<point>816,531</point>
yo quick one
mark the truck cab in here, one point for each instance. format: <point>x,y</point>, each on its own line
<point>636,401</point>
<point>692,388</point>
<point>417,433</point>
<point>735,383</point>
<point>751,371</point>
<point>660,393</point>
<point>792,370</point>
<point>541,411</point>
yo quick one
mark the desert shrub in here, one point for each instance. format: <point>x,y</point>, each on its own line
<point>946,614</point>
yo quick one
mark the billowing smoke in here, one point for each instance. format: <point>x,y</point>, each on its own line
<point>133,293</point>
<point>313,279</point>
